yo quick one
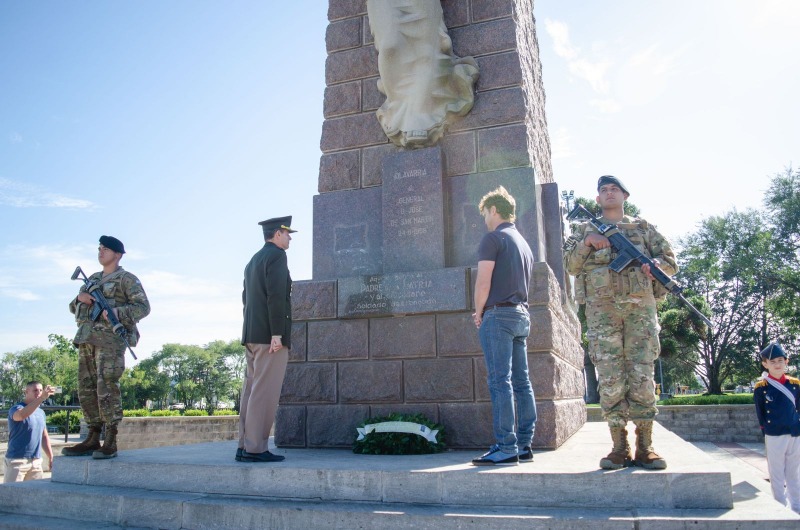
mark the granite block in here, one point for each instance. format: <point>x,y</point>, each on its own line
<point>467,224</point>
<point>492,108</point>
<point>554,378</point>
<point>438,380</point>
<point>554,232</point>
<point>309,383</point>
<point>370,381</point>
<point>346,8</point>
<point>349,65</point>
<point>334,426</point>
<point>489,9</point>
<point>499,71</point>
<point>402,337</point>
<point>342,99</point>
<point>429,410</point>
<point>557,421</point>
<point>367,32</point>
<point>297,353</point>
<point>348,232</point>
<point>371,97</point>
<point>352,131</point>
<point>413,217</point>
<point>503,147</point>
<point>467,425</point>
<point>484,38</point>
<point>313,299</point>
<point>456,13</point>
<point>458,153</point>
<point>481,380</point>
<point>456,335</point>
<point>340,171</point>
<point>403,293</point>
<point>290,426</point>
<point>372,159</point>
<point>338,339</point>
<point>343,34</point>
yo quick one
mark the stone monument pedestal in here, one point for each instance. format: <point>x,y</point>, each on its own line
<point>385,324</point>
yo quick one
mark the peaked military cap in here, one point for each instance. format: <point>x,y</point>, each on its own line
<point>277,222</point>
<point>112,243</point>
<point>610,179</point>
<point>773,351</point>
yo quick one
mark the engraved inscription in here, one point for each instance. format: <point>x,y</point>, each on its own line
<point>403,293</point>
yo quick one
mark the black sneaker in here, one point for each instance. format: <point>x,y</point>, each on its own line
<point>266,456</point>
<point>238,456</point>
<point>496,457</point>
<point>525,455</point>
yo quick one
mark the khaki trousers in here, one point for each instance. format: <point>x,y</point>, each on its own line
<point>261,392</point>
<point>21,469</point>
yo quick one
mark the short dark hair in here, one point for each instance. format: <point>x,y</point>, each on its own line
<point>270,233</point>
<point>33,383</point>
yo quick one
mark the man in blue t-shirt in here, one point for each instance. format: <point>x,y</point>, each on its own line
<point>27,435</point>
<point>501,315</point>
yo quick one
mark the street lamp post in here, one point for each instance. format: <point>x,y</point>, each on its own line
<point>568,196</point>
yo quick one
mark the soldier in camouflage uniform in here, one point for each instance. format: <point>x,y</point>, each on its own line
<point>102,352</point>
<point>622,322</point>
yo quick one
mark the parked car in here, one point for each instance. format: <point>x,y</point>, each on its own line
<point>177,406</point>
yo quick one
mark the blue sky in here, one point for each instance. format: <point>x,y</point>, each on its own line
<point>177,126</point>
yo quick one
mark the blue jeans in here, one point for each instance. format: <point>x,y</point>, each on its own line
<point>503,333</point>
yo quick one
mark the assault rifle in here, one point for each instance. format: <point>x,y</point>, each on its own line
<point>101,304</point>
<point>627,252</point>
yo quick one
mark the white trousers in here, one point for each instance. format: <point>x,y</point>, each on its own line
<point>20,469</point>
<point>783,460</point>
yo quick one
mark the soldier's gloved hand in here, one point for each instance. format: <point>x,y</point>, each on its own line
<point>596,241</point>
<point>116,313</point>
<point>646,269</point>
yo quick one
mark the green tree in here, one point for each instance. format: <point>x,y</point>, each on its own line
<point>144,382</point>
<point>782,201</point>
<point>729,263</point>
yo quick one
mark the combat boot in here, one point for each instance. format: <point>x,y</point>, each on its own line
<point>620,455</point>
<point>646,456</point>
<point>86,447</point>
<point>109,449</point>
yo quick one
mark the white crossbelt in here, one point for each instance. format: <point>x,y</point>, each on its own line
<point>780,387</point>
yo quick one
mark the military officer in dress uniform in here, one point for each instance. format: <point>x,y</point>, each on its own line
<point>622,322</point>
<point>266,335</point>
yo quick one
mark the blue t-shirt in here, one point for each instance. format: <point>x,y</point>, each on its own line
<point>25,437</point>
<point>513,262</point>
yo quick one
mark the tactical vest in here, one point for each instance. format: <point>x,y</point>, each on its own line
<point>598,281</point>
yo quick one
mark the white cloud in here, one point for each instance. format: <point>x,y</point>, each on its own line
<point>21,195</point>
<point>592,71</point>
<point>560,144</point>
<point>559,32</point>
<point>19,294</point>
<point>606,106</point>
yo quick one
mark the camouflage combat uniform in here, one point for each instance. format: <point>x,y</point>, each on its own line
<point>621,317</point>
<point>101,351</point>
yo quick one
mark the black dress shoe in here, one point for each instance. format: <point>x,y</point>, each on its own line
<point>266,456</point>
<point>239,452</point>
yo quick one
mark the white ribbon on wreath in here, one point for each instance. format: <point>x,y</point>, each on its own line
<point>399,426</point>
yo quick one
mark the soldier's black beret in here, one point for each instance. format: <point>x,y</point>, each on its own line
<point>773,351</point>
<point>610,179</point>
<point>277,222</point>
<point>112,243</point>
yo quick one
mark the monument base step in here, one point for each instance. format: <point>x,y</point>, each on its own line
<point>96,507</point>
<point>201,486</point>
<point>568,477</point>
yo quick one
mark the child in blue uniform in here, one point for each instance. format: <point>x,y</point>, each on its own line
<point>777,399</point>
